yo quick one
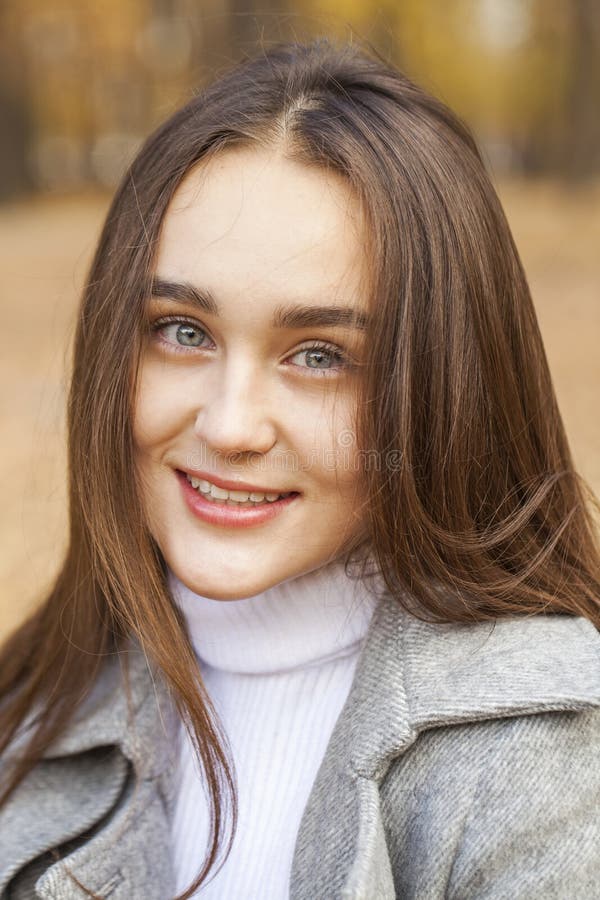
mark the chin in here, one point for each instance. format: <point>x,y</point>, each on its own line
<point>225,585</point>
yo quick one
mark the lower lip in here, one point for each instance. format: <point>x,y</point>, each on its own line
<point>216,513</point>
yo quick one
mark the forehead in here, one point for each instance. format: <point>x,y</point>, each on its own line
<point>253,221</point>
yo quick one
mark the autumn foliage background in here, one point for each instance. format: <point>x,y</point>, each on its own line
<point>82,83</point>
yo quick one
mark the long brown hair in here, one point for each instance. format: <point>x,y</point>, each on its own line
<point>475,510</point>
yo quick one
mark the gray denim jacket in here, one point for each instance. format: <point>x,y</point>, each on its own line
<point>465,764</point>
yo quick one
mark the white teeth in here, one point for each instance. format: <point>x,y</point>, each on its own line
<point>241,496</point>
<point>217,493</point>
<point>199,483</point>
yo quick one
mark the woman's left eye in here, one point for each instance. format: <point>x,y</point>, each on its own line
<point>180,333</point>
<point>321,358</point>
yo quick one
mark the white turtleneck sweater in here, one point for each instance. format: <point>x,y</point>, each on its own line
<point>278,667</point>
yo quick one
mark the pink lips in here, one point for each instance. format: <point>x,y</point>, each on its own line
<point>216,513</point>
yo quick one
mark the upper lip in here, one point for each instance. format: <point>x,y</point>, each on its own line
<point>232,485</point>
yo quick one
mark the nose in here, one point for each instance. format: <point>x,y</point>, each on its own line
<point>233,417</point>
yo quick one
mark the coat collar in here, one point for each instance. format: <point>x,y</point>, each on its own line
<point>415,675</point>
<point>411,676</point>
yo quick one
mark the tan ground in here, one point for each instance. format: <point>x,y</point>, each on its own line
<point>44,250</point>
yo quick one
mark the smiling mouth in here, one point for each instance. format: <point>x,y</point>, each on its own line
<point>239,499</point>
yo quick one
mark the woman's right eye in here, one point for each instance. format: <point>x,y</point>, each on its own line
<point>182,334</point>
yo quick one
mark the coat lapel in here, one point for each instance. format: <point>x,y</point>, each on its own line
<point>31,823</point>
<point>132,858</point>
<point>411,676</point>
<point>123,747</point>
<point>340,849</point>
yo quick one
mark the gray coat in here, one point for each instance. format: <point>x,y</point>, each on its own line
<point>464,764</point>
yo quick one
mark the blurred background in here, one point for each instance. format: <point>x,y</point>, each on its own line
<point>82,83</point>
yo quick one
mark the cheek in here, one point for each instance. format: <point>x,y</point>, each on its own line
<point>158,411</point>
<point>334,453</point>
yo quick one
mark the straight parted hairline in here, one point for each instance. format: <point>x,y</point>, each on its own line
<point>485,516</point>
<point>292,316</point>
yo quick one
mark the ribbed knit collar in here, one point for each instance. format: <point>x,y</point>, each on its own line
<point>306,620</point>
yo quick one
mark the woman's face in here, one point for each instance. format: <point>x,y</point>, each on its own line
<point>249,374</point>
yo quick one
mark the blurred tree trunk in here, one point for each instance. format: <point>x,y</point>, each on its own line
<point>14,139</point>
<point>563,136</point>
<point>580,145</point>
<point>15,115</point>
<point>230,29</point>
<point>254,21</point>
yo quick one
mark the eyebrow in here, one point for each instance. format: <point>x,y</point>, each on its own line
<point>283,317</point>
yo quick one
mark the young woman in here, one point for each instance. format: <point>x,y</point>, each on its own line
<point>328,621</point>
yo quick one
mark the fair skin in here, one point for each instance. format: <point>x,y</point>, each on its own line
<point>225,392</point>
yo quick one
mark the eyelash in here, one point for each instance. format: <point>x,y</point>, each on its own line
<point>344,362</point>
